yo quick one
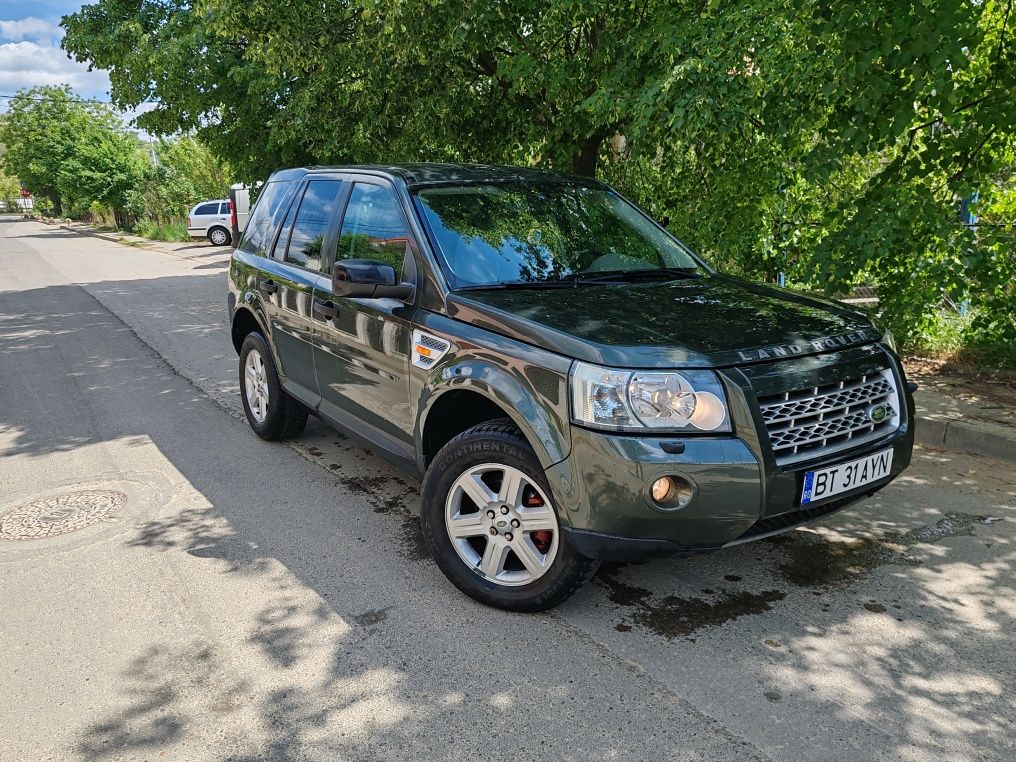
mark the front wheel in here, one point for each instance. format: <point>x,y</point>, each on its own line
<point>491,526</point>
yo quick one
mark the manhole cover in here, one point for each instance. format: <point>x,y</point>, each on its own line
<point>59,515</point>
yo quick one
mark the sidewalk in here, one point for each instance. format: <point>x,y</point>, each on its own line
<point>197,248</point>
<point>953,412</point>
<point>957,413</point>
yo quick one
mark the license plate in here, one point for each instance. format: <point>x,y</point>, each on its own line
<point>826,482</point>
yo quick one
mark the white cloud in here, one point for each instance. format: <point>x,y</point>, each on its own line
<point>30,28</point>
<point>30,56</point>
<point>29,64</point>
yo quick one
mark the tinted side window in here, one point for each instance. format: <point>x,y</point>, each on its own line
<point>269,207</point>
<point>311,223</point>
<point>224,207</point>
<point>279,252</point>
<point>373,228</point>
<point>207,209</point>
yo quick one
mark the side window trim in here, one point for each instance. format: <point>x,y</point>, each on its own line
<point>387,185</point>
<point>331,232</point>
<point>283,228</point>
<point>290,189</point>
<point>331,244</point>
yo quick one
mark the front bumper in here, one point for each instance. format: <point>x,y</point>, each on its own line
<point>741,493</point>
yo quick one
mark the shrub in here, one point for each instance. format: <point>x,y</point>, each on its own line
<point>163,231</point>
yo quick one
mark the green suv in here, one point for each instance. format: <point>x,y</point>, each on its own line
<point>571,383</point>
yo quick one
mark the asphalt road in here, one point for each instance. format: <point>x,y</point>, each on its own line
<point>241,600</point>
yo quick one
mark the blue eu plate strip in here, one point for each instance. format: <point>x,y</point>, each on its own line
<point>806,494</point>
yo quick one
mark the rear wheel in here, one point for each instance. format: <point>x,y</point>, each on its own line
<point>491,526</point>
<point>271,412</point>
<point>218,236</point>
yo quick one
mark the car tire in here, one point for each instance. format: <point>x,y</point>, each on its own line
<point>475,456</point>
<point>219,236</point>
<point>270,411</point>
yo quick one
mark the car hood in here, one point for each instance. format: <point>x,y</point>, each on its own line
<point>714,321</point>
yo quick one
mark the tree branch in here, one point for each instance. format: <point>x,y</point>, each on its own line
<point>973,154</point>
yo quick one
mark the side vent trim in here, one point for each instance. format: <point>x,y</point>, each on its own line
<point>428,349</point>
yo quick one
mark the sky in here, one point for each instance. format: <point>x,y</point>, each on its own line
<point>30,52</point>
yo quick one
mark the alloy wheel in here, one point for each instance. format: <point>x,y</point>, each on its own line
<point>501,524</point>
<point>256,385</point>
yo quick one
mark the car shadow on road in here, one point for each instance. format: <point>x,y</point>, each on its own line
<point>888,631</point>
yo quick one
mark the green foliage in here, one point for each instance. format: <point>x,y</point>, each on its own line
<point>832,142</point>
<point>69,150</point>
<point>185,172</point>
<point>41,133</point>
<point>10,187</point>
<point>163,231</point>
<point>103,168</point>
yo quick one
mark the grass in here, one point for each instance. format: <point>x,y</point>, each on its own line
<point>957,341</point>
<point>163,231</point>
<point>944,336</point>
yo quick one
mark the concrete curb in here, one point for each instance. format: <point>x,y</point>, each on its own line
<point>952,434</point>
<point>112,237</point>
<point>140,243</point>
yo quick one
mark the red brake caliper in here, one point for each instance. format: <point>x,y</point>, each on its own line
<point>541,537</point>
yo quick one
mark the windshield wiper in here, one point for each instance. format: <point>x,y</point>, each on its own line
<point>659,273</point>
<point>599,279</point>
<point>522,284</point>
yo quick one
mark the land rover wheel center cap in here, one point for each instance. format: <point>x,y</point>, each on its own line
<point>502,520</point>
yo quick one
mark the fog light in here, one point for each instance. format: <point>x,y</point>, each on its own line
<point>672,492</point>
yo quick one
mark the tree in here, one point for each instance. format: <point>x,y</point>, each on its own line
<point>68,149</point>
<point>103,168</point>
<point>185,172</point>
<point>39,132</point>
<point>9,187</point>
<point>833,142</point>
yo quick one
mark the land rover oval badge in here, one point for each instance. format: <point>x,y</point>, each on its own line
<point>877,413</point>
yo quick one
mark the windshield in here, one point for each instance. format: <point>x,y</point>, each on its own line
<point>516,233</point>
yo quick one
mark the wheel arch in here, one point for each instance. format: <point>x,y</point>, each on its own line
<point>482,393</point>
<point>244,322</point>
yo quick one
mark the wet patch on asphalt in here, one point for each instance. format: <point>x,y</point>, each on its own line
<point>820,562</point>
<point>372,617</point>
<point>811,561</point>
<point>672,616</point>
<point>378,492</point>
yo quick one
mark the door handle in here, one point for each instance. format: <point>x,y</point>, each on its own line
<point>326,309</point>
<point>269,286</point>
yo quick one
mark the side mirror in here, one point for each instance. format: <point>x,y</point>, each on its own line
<point>367,279</point>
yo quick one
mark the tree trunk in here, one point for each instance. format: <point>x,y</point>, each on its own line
<point>57,206</point>
<point>585,159</point>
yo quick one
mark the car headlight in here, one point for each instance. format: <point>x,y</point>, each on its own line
<point>888,340</point>
<point>636,400</point>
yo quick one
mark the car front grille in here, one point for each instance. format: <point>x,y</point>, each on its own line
<point>819,420</point>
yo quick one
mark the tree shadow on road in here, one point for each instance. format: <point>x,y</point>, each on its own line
<point>356,646</point>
